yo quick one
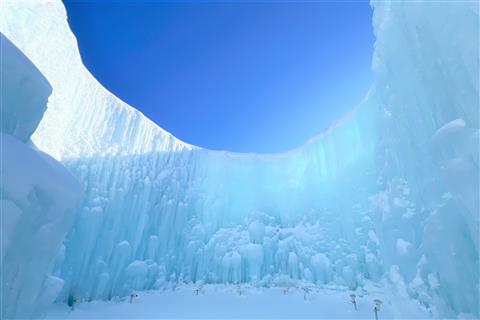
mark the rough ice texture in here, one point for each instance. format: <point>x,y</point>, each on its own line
<point>37,194</point>
<point>38,198</point>
<point>24,92</point>
<point>388,194</point>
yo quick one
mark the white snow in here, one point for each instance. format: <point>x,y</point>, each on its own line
<point>240,302</point>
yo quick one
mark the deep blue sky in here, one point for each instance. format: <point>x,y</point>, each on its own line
<point>249,77</point>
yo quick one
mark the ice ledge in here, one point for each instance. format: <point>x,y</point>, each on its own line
<point>24,92</point>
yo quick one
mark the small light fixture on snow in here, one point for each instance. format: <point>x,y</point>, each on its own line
<point>353,298</point>
<point>72,301</point>
<point>239,289</point>
<point>133,296</point>
<point>306,290</point>
<point>199,289</point>
<point>376,307</point>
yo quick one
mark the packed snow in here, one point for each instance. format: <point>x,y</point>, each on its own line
<point>245,301</point>
<point>387,196</point>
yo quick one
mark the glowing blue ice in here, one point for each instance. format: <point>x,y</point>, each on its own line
<point>37,194</point>
<point>388,195</point>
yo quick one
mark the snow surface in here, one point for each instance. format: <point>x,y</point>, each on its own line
<point>389,194</point>
<point>236,302</point>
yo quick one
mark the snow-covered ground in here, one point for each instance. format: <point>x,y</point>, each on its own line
<point>220,302</point>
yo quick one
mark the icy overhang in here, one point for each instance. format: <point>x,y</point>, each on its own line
<point>24,92</point>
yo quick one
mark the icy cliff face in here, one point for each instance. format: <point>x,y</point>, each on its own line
<point>426,69</point>
<point>37,194</point>
<point>82,119</point>
<point>24,94</point>
<point>388,195</point>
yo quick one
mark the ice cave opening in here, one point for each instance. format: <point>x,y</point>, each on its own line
<point>106,215</point>
<point>269,79</point>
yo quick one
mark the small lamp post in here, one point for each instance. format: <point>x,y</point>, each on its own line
<point>353,298</point>
<point>376,307</point>
<point>199,289</point>
<point>306,290</point>
<point>74,301</point>
<point>133,296</point>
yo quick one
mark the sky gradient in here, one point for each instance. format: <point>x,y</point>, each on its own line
<point>237,76</point>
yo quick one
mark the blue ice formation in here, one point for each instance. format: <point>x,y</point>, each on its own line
<point>24,94</point>
<point>387,195</point>
<point>38,196</point>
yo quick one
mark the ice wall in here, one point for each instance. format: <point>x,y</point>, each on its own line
<point>426,64</point>
<point>38,199</point>
<point>82,118</point>
<point>25,92</point>
<point>388,195</point>
<point>37,194</point>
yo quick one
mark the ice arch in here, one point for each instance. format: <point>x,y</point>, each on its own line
<point>388,195</point>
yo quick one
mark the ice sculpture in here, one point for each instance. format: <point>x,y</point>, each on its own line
<point>37,194</point>
<point>388,195</point>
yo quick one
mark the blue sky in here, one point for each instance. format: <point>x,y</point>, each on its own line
<point>239,76</point>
